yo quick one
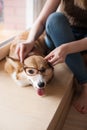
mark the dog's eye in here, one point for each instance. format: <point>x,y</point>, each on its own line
<point>31,71</point>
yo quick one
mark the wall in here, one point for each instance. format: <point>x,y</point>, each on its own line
<point>20,14</point>
<point>14,14</point>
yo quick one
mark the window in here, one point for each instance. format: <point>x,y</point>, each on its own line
<point>1,10</point>
<point>17,15</point>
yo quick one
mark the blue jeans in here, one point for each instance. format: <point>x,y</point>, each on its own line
<point>58,32</point>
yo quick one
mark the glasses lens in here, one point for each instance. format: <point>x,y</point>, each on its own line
<point>31,71</point>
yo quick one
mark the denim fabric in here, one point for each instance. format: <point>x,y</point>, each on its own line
<point>58,32</point>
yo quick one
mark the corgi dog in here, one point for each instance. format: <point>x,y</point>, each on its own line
<point>34,70</point>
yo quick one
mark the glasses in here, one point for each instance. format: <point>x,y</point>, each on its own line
<point>30,71</point>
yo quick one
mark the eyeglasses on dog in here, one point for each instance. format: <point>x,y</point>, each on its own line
<point>30,71</point>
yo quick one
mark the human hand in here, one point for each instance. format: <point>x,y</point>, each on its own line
<point>23,49</point>
<point>58,55</point>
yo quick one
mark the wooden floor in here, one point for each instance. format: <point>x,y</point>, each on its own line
<point>75,120</point>
<point>23,109</point>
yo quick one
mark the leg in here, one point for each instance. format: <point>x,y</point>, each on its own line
<point>58,32</point>
<point>80,102</point>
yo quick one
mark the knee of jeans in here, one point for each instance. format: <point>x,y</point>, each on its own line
<point>54,19</point>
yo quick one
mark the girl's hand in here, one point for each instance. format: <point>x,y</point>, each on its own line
<point>23,49</point>
<point>58,55</point>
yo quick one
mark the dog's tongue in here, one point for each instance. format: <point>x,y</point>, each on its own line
<point>40,92</point>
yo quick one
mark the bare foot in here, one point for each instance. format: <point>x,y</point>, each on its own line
<point>81,102</point>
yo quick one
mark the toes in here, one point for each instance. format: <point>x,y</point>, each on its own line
<point>77,106</point>
<point>84,110</point>
<point>80,108</point>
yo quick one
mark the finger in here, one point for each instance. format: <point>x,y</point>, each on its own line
<point>61,60</point>
<point>57,60</point>
<point>55,63</point>
<point>52,60</point>
<point>21,53</point>
<point>49,57</point>
<point>17,51</point>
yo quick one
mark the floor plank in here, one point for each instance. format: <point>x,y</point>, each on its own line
<point>75,120</point>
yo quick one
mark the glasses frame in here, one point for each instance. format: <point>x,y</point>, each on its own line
<point>42,71</point>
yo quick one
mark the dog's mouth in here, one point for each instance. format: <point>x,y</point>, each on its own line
<point>41,91</point>
<point>40,88</point>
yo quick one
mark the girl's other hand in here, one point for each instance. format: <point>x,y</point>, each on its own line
<point>58,55</point>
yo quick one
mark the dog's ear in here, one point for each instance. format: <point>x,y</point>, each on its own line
<point>14,63</point>
<point>8,67</point>
<point>12,50</point>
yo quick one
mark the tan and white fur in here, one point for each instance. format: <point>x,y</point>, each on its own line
<point>35,60</point>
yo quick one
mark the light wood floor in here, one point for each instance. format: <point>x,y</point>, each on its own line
<point>75,120</point>
<point>22,109</point>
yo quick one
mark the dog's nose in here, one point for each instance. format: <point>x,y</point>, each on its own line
<point>41,84</point>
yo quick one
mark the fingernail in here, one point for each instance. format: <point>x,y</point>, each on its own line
<point>21,60</point>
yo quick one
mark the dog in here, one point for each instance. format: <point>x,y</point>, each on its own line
<point>34,70</point>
